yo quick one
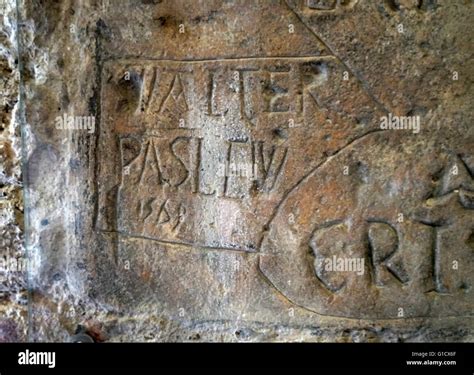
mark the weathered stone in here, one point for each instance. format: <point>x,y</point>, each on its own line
<point>249,170</point>
<point>13,322</point>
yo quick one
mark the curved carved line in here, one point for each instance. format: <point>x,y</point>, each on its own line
<point>306,177</point>
<point>267,280</point>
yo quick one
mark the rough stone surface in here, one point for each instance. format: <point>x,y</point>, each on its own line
<point>13,300</point>
<point>229,150</point>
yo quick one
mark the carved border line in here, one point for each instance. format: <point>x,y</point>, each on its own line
<point>123,60</point>
<point>133,58</point>
<point>363,84</point>
<point>423,317</point>
<point>187,244</point>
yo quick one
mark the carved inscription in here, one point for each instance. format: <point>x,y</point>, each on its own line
<point>201,145</point>
<point>351,241</point>
<point>193,95</point>
<point>204,150</point>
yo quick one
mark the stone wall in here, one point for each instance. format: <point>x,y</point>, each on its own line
<point>192,169</point>
<point>13,299</point>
